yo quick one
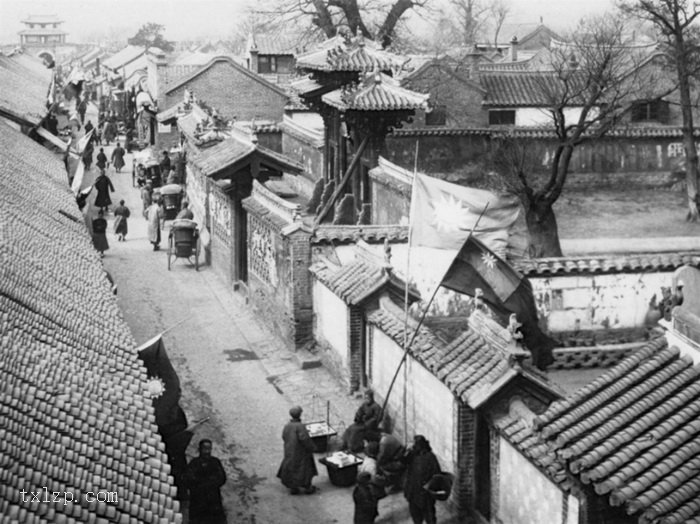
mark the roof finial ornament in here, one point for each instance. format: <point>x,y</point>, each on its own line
<point>387,255</point>
<point>513,326</point>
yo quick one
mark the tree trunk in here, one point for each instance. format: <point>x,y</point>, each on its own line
<point>691,154</point>
<point>544,234</point>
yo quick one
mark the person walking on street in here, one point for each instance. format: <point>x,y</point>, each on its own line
<point>422,465</point>
<point>89,127</point>
<point>118,157</point>
<point>165,164</point>
<point>87,155</point>
<point>101,160</point>
<point>121,214</point>
<point>365,425</point>
<point>365,501</point>
<point>104,186</point>
<point>82,109</point>
<point>110,132</point>
<point>99,233</point>
<point>146,196</point>
<point>204,477</point>
<point>154,216</point>
<point>185,211</point>
<point>297,468</point>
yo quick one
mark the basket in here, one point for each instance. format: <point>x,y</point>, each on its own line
<point>439,486</point>
<point>341,475</point>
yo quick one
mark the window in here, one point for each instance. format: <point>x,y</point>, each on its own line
<point>502,117</point>
<point>436,117</point>
<point>267,64</point>
<point>654,110</point>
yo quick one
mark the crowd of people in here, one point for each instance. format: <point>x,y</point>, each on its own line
<point>387,465</point>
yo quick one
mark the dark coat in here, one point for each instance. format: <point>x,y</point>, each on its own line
<point>101,160</point>
<point>422,465</point>
<point>99,238</point>
<point>118,157</point>
<point>297,467</point>
<point>365,426</point>
<point>365,505</point>
<point>103,186</point>
<point>121,214</point>
<point>204,477</point>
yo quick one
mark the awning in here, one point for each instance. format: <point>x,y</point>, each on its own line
<point>48,135</point>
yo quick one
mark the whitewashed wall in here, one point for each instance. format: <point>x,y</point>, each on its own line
<point>597,302</point>
<point>533,116</point>
<point>525,495</point>
<point>430,408</point>
<point>331,321</point>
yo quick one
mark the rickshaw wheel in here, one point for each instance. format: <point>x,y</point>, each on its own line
<point>196,255</point>
<point>170,249</point>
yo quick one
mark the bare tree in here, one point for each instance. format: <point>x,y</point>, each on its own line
<point>498,11</point>
<point>674,21</point>
<point>468,17</point>
<point>374,19</point>
<point>590,84</point>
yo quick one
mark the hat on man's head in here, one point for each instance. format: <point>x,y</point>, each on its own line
<point>295,412</point>
<point>364,477</point>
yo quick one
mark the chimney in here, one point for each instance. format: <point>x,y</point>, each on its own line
<point>157,74</point>
<point>253,61</point>
<point>514,49</point>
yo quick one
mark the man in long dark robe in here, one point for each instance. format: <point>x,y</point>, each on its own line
<point>118,157</point>
<point>422,465</point>
<point>365,425</point>
<point>205,476</point>
<point>364,499</point>
<point>298,468</point>
<point>104,186</point>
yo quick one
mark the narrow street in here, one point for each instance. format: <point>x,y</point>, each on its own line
<point>232,371</point>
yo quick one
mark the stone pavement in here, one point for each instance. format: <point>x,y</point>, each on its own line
<point>235,373</point>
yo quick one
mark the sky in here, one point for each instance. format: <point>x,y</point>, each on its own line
<point>193,19</point>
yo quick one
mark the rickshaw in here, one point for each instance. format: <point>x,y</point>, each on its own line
<point>172,199</point>
<point>183,241</point>
<point>145,169</point>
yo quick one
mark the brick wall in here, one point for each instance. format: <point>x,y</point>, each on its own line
<point>356,333</point>
<point>299,245</point>
<point>233,93</point>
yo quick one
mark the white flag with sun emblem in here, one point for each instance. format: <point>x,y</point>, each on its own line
<point>443,214</point>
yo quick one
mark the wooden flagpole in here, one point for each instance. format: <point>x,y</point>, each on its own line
<point>422,318</point>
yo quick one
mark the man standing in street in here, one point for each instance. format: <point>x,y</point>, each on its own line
<point>298,468</point>
<point>422,465</point>
<point>118,157</point>
<point>205,476</point>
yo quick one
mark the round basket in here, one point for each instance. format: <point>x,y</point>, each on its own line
<point>439,486</point>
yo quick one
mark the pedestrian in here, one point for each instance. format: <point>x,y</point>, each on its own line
<point>103,185</point>
<point>165,164</point>
<point>102,162</point>
<point>365,425</point>
<point>365,501</point>
<point>422,464</point>
<point>185,211</point>
<point>369,465</point>
<point>154,216</point>
<point>89,127</point>
<point>98,134</point>
<point>204,477</point>
<point>146,198</point>
<point>110,132</point>
<point>87,155</point>
<point>118,157</point>
<point>121,227</point>
<point>99,233</point>
<point>297,468</point>
<point>82,109</point>
<point>390,461</point>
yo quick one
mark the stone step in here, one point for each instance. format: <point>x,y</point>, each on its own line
<point>306,360</point>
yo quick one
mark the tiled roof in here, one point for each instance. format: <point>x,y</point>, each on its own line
<point>42,19</point>
<point>275,44</point>
<point>368,233</point>
<point>518,89</point>
<point>73,413</point>
<point>634,434</point>
<point>474,365</point>
<point>355,54</point>
<point>21,94</point>
<point>34,66</point>
<point>42,31</point>
<point>355,281</point>
<point>606,264</point>
<point>377,92</point>
<point>124,56</point>
<point>305,86</point>
<point>544,132</point>
<point>235,149</point>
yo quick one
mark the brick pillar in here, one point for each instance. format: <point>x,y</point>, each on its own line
<point>355,347</point>
<point>301,301</point>
<point>157,75</point>
<point>463,491</point>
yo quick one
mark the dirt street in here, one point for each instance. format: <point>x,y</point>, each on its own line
<point>233,372</point>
